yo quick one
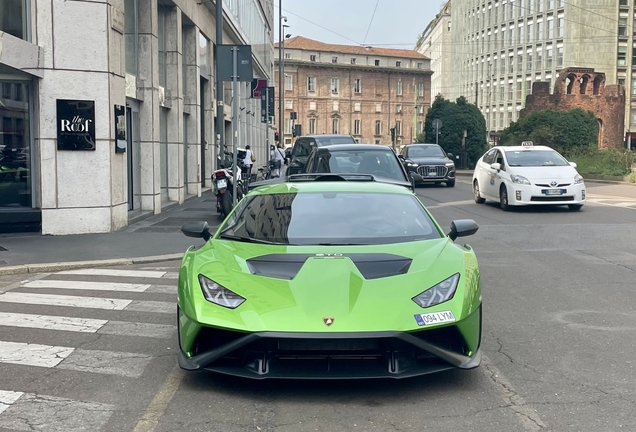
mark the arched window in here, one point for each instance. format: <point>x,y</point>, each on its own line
<point>569,81</point>
<point>597,84</point>
<point>584,81</point>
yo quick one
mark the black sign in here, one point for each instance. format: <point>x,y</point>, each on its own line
<point>225,62</point>
<point>120,129</point>
<point>267,104</point>
<point>75,125</point>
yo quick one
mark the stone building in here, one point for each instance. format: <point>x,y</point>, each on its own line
<point>585,89</point>
<point>435,43</point>
<point>361,91</point>
<point>107,108</point>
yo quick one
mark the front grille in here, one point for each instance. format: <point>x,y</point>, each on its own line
<point>552,198</point>
<point>432,171</point>
<point>550,186</point>
<point>328,344</point>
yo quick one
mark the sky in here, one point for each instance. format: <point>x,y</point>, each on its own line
<point>395,23</point>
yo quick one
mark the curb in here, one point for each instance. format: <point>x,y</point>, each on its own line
<point>71,265</point>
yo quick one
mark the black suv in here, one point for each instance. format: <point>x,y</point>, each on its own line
<point>428,163</point>
<point>305,144</point>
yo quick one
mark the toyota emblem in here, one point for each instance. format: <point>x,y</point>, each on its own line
<point>553,184</point>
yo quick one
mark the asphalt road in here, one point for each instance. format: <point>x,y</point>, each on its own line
<point>559,327</point>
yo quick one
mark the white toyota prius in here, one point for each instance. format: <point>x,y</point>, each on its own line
<point>527,175</point>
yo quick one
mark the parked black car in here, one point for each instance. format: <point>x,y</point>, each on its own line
<point>428,163</point>
<point>305,144</point>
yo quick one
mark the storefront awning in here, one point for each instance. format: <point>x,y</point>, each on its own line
<point>21,55</point>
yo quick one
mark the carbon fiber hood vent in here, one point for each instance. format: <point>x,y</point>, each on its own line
<point>371,266</point>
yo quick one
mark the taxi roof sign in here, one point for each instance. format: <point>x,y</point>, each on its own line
<point>527,144</point>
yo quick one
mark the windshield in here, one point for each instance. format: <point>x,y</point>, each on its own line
<point>346,139</point>
<point>333,218</point>
<point>381,163</point>
<point>535,158</point>
<point>425,151</point>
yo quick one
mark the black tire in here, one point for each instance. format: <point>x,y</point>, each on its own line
<point>476,195</point>
<point>503,198</point>
<point>450,183</point>
<point>226,203</point>
<point>575,207</point>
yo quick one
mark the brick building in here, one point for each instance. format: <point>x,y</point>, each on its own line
<point>585,89</point>
<point>362,91</point>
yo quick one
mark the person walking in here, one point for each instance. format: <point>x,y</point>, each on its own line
<point>279,160</point>
<point>249,161</point>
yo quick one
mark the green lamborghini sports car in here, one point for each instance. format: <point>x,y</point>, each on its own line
<point>326,276</point>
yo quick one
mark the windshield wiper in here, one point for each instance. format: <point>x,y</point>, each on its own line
<point>246,239</point>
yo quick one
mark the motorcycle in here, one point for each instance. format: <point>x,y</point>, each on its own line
<point>223,182</point>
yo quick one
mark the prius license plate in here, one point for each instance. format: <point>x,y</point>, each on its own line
<point>220,184</point>
<point>554,191</point>
<point>435,318</point>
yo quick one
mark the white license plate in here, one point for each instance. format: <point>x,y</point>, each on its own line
<point>432,173</point>
<point>554,191</point>
<point>220,184</point>
<point>435,318</point>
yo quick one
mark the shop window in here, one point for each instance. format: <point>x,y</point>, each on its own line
<point>13,18</point>
<point>161,36</point>
<point>131,27</point>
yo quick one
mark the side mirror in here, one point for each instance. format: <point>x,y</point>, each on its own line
<point>196,230</point>
<point>450,155</point>
<point>496,166</point>
<point>573,164</point>
<point>462,228</point>
<point>401,157</point>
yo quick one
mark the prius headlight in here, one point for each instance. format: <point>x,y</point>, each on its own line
<point>519,179</point>
<point>578,179</point>
<point>218,294</point>
<point>439,293</point>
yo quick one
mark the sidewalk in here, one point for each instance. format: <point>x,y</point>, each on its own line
<point>157,235</point>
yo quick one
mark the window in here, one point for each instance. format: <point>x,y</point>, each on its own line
<point>356,127</point>
<point>289,104</point>
<point>287,56</point>
<point>539,31</point>
<point>548,57</point>
<point>622,56</point>
<point>312,126</point>
<point>622,26</point>
<point>335,86</point>
<point>336,105</point>
<point>519,62</point>
<point>378,127</point>
<point>377,62</point>
<point>529,60</point>
<point>378,107</point>
<point>530,31</point>
<point>420,127</point>
<point>420,65</point>
<point>378,141</point>
<point>131,35</point>
<point>560,28</point>
<point>398,108</point>
<point>398,127</point>
<point>420,109</point>
<point>420,89</point>
<point>550,4</point>
<point>510,90</point>
<point>520,30</point>
<point>288,83</point>
<point>312,106</point>
<point>550,28</point>
<point>559,59</point>
<point>356,107</point>
<point>561,3</point>
<point>398,64</point>
<point>353,60</point>
<point>399,88</point>
<point>357,86</point>
<point>312,57</point>
<point>334,126</point>
<point>311,84</point>
<point>539,5</point>
<point>288,128</point>
<point>161,36</point>
<point>539,59</point>
<point>334,59</point>
<point>519,89</point>
<point>13,18</point>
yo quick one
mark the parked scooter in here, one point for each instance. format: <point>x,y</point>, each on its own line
<point>223,183</point>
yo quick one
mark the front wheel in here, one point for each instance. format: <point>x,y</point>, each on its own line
<point>575,207</point>
<point>450,183</point>
<point>503,198</point>
<point>476,194</point>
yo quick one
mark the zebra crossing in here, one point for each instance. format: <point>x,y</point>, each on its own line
<point>76,345</point>
<point>621,202</point>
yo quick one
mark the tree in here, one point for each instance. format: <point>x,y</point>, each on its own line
<point>564,131</point>
<point>456,118</point>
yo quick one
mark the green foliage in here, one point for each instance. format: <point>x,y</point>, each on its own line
<point>456,118</point>
<point>608,162</point>
<point>562,130</point>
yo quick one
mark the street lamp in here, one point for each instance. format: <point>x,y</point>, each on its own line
<point>281,69</point>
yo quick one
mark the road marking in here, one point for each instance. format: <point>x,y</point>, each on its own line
<point>118,273</point>
<point>130,365</point>
<point>8,398</point>
<point>611,202</point>
<point>87,286</point>
<point>159,404</point>
<point>528,416</point>
<point>63,300</point>
<point>449,204</point>
<point>86,325</point>
<point>33,354</point>
<point>171,275</point>
<point>152,306</point>
<point>30,412</point>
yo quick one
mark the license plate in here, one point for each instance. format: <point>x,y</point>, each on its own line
<point>435,318</point>
<point>220,184</point>
<point>432,172</point>
<point>554,191</point>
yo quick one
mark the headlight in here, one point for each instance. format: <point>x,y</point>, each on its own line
<point>439,293</point>
<point>412,164</point>
<point>218,294</point>
<point>450,164</point>
<point>578,179</point>
<point>519,179</point>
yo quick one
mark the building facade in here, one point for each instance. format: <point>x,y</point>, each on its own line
<point>501,47</point>
<point>435,43</point>
<point>108,108</point>
<point>361,91</point>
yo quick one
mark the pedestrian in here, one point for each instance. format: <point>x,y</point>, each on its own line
<point>249,161</point>
<point>279,160</point>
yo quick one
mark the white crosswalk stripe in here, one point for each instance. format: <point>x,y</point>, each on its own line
<point>612,202</point>
<point>44,327</point>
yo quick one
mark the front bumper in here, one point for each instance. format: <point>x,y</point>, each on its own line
<point>326,355</point>
<point>522,195</point>
<point>432,173</point>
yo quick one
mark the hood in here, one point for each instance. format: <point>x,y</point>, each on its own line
<point>545,174</point>
<point>441,160</point>
<point>293,288</point>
